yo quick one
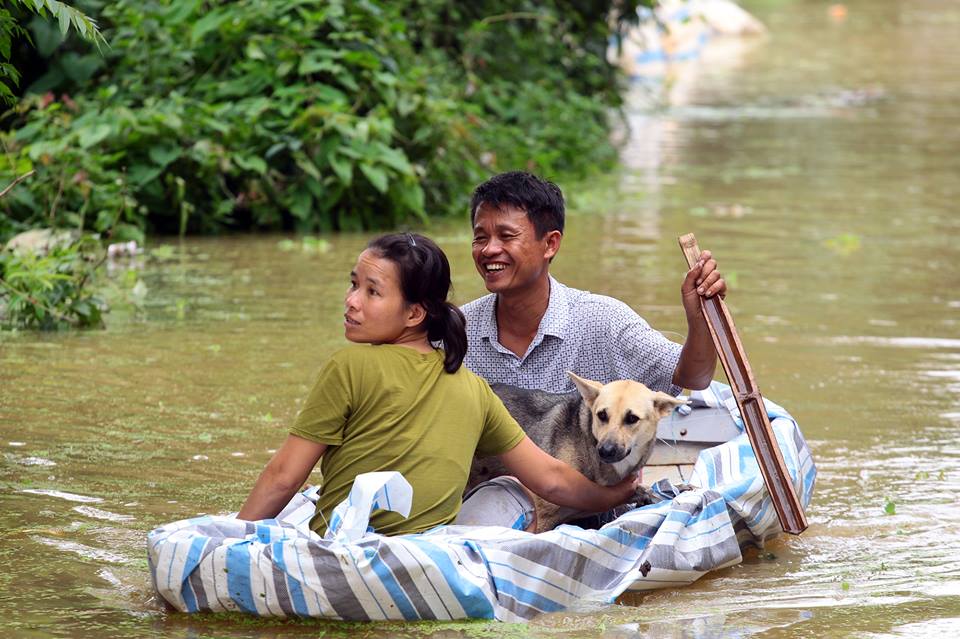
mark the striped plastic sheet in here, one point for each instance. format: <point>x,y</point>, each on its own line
<point>281,568</point>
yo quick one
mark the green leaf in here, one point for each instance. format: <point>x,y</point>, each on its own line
<point>83,309</point>
<point>88,136</point>
<point>6,95</point>
<point>364,59</point>
<point>310,65</point>
<point>250,163</point>
<point>208,23</point>
<point>46,147</point>
<point>46,37</point>
<point>315,187</point>
<point>254,52</point>
<point>162,156</point>
<point>378,177</point>
<point>181,10</point>
<point>80,68</point>
<point>328,199</point>
<point>301,203</point>
<point>342,167</point>
<point>394,158</point>
<point>329,95</point>
<point>307,165</point>
<point>141,174</point>
<point>64,19</point>
<point>410,195</point>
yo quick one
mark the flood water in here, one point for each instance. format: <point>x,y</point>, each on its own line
<point>821,164</point>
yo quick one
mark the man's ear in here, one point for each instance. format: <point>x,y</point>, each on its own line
<point>416,314</point>
<point>588,388</point>
<point>663,403</point>
<point>553,239</point>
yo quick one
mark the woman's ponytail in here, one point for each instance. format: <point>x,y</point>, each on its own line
<point>449,326</point>
<point>425,280</point>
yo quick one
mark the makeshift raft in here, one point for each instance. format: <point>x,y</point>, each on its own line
<point>281,568</point>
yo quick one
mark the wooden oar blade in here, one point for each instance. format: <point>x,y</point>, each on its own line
<point>776,477</point>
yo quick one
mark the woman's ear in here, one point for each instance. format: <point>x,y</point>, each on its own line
<point>416,314</point>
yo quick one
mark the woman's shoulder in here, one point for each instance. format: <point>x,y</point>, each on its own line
<point>379,355</point>
<point>365,353</point>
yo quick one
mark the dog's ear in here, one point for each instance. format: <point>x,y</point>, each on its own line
<point>588,388</point>
<point>663,403</point>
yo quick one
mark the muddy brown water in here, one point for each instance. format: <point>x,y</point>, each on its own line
<point>821,164</point>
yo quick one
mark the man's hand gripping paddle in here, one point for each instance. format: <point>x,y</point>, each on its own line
<point>754,414</point>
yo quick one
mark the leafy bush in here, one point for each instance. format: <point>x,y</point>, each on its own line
<point>10,28</point>
<point>51,290</point>
<point>310,114</point>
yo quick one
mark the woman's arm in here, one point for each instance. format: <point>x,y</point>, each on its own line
<point>560,484</point>
<point>284,475</point>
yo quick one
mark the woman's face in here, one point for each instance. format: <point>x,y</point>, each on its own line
<point>376,312</point>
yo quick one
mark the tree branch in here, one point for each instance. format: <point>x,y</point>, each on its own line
<point>16,182</point>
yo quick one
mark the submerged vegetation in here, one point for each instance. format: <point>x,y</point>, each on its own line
<point>306,115</point>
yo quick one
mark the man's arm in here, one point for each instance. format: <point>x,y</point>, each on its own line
<point>283,476</point>
<point>698,359</point>
<point>560,484</point>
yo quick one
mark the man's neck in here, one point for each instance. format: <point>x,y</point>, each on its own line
<point>519,314</point>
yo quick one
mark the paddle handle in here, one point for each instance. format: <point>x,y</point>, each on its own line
<point>756,422</point>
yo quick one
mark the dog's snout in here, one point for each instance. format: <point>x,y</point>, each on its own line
<point>611,453</point>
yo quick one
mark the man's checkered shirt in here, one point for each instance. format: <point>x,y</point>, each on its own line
<point>595,336</point>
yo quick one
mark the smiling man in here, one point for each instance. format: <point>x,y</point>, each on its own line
<point>532,329</point>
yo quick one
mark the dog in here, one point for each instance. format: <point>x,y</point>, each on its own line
<point>605,431</point>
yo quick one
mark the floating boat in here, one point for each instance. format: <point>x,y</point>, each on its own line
<point>281,568</point>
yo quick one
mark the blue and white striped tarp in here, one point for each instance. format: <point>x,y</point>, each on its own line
<point>280,568</point>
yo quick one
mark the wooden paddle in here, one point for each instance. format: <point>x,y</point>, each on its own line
<point>764,442</point>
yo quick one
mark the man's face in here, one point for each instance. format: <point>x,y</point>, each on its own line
<point>506,251</point>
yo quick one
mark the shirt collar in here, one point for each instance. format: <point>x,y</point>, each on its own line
<point>553,322</point>
<point>488,319</point>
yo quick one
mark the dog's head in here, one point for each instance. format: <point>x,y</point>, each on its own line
<point>625,416</point>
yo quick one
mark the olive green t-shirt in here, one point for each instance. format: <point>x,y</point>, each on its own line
<point>389,407</point>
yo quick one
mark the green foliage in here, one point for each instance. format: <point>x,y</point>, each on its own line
<point>51,290</point>
<point>65,17</point>
<point>314,115</point>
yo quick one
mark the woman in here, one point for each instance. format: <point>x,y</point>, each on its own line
<point>396,402</point>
